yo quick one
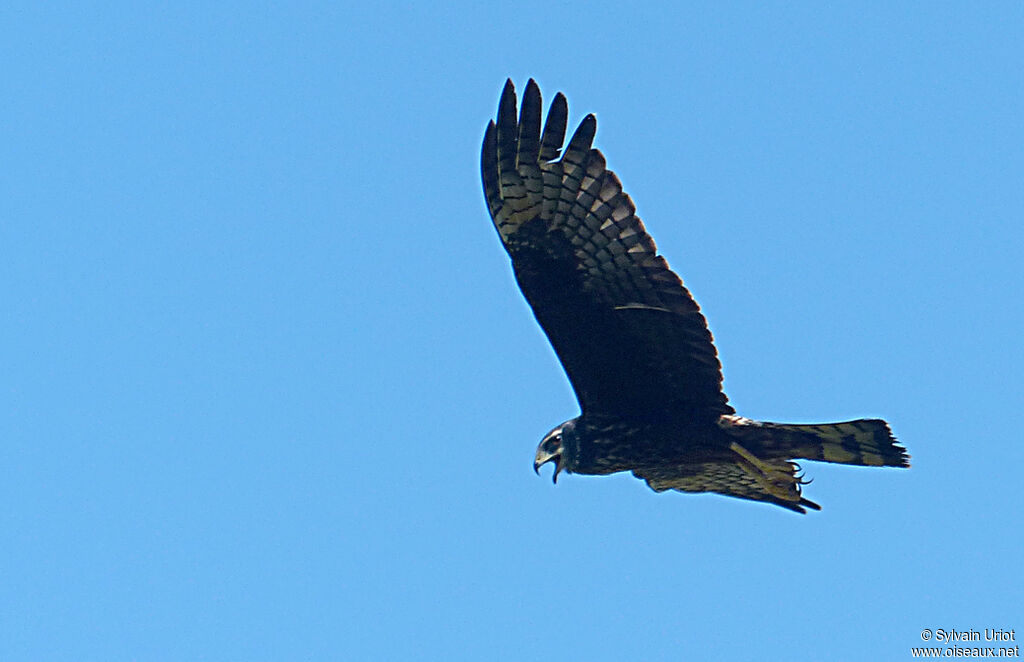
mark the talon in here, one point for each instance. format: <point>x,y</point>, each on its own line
<point>781,483</point>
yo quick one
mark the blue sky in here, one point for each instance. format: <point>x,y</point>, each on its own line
<point>270,391</point>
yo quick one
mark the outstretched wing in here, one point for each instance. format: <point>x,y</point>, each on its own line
<point>630,336</point>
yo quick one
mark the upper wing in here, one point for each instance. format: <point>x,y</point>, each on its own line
<point>630,336</point>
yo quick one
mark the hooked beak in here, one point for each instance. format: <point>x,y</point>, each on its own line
<point>557,459</point>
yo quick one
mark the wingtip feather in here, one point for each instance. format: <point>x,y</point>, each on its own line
<point>554,129</point>
<point>529,126</point>
<point>583,138</point>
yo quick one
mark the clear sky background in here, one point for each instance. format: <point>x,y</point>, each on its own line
<point>269,391</point>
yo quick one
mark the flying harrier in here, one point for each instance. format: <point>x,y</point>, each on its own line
<point>630,336</point>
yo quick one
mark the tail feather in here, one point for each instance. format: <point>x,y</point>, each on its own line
<point>864,442</point>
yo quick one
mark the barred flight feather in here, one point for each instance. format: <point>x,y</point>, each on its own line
<point>630,336</point>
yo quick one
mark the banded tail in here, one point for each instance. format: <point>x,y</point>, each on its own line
<point>866,442</point>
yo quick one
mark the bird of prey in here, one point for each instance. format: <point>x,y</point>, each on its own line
<point>630,336</point>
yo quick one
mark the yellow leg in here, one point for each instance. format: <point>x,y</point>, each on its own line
<point>780,483</point>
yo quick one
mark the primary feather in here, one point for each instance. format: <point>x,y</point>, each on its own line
<point>631,338</point>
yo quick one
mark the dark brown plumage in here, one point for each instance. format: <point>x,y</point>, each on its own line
<point>632,339</point>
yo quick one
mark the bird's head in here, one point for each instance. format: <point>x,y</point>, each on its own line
<point>552,448</point>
